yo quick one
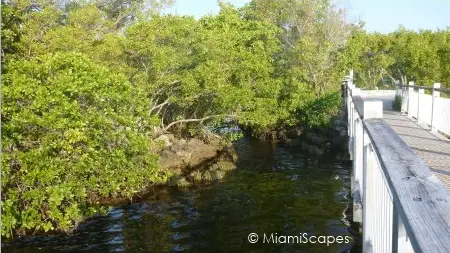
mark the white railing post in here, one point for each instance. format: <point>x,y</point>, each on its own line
<point>375,211</point>
<point>348,108</point>
<point>358,181</point>
<point>350,80</point>
<point>367,169</point>
<point>435,94</point>
<point>351,73</point>
<point>355,117</point>
<point>405,98</point>
<point>410,91</point>
<point>349,101</point>
<point>421,92</point>
<point>368,196</point>
<point>400,239</point>
<point>373,109</point>
<point>350,126</point>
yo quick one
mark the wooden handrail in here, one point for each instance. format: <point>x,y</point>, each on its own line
<point>405,208</point>
<point>420,198</point>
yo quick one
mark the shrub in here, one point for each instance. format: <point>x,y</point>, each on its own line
<point>73,133</point>
<point>397,103</point>
<point>318,112</point>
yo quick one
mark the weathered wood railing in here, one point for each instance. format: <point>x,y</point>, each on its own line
<point>431,109</point>
<point>403,207</point>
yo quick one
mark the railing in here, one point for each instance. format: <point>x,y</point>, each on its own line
<point>431,109</point>
<point>403,207</point>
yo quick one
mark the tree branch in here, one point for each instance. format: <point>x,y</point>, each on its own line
<point>164,129</point>
<point>159,106</point>
<point>190,120</point>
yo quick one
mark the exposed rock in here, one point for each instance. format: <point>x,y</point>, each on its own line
<point>184,154</point>
<point>319,151</point>
<point>225,165</point>
<point>293,133</point>
<point>311,149</point>
<point>337,140</point>
<point>169,159</point>
<point>166,139</point>
<point>342,156</point>
<point>177,171</point>
<point>326,140</point>
<point>340,123</point>
<point>217,175</point>
<point>229,154</point>
<point>178,146</point>
<point>340,129</point>
<point>195,161</point>
<point>309,135</point>
<point>179,181</point>
<point>207,177</point>
<point>166,153</point>
<point>183,183</point>
<point>304,146</point>
<point>282,136</point>
<point>318,139</point>
<point>213,167</point>
<point>192,153</point>
<point>294,142</point>
<point>196,176</point>
<point>195,142</point>
<point>234,156</point>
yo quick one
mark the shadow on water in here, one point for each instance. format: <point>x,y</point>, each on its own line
<point>276,189</point>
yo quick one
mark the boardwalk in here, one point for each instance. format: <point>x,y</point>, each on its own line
<point>432,148</point>
<point>401,170</point>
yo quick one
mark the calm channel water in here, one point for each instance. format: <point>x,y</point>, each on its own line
<point>276,189</point>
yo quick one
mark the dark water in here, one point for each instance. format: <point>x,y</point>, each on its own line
<point>276,189</point>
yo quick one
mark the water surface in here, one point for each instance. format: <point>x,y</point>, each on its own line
<point>275,189</point>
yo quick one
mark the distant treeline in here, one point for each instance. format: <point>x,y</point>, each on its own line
<point>88,86</point>
<point>404,55</point>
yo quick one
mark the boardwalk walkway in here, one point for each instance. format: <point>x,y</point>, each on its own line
<point>433,148</point>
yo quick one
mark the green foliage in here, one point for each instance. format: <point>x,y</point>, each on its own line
<point>397,103</point>
<point>89,85</point>
<point>124,12</point>
<point>215,68</point>
<point>318,112</point>
<point>10,28</point>
<point>381,59</point>
<point>71,134</point>
<point>311,51</point>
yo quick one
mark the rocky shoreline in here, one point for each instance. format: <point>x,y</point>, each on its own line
<point>196,162</point>
<point>317,141</point>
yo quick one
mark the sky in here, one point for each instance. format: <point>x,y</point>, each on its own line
<point>379,15</point>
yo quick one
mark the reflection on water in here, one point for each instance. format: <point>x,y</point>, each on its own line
<point>276,189</point>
